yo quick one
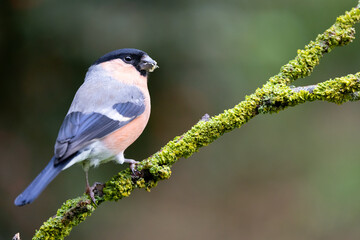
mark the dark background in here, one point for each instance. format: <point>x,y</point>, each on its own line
<point>292,175</point>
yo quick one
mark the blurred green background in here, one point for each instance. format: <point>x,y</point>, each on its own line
<point>292,175</point>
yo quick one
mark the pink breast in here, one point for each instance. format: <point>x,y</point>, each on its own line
<point>122,138</point>
<point>119,140</point>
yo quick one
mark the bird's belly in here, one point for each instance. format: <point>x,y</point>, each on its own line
<point>93,155</point>
<point>120,139</point>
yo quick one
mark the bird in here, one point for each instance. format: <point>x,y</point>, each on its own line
<point>108,113</point>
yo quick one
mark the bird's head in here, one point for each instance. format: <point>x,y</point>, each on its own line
<point>133,57</point>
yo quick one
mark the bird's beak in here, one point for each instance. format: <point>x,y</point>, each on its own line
<point>148,64</point>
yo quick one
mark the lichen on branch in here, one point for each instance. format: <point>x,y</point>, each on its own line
<point>274,96</point>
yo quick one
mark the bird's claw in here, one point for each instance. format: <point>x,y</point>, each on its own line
<point>135,174</point>
<point>134,171</point>
<point>133,167</point>
<point>95,189</point>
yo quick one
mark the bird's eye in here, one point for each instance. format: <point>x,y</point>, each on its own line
<point>128,58</point>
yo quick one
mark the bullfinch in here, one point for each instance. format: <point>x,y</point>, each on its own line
<point>108,113</point>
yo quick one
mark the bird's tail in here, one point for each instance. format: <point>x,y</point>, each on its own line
<point>39,183</point>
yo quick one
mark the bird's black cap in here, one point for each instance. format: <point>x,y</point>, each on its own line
<point>131,56</point>
<point>119,53</point>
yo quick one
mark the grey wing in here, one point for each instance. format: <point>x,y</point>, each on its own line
<point>79,129</point>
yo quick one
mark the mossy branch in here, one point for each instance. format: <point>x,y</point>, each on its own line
<point>275,95</point>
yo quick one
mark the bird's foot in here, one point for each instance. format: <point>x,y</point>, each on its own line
<point>95,190</point>
<point>132,162</point>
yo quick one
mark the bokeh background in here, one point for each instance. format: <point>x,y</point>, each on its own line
<point>292,175</point>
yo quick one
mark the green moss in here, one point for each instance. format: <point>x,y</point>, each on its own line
<point>339,34</point>
<point>72,213</point>
<point>338,90</point>
<point>120,186</point>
